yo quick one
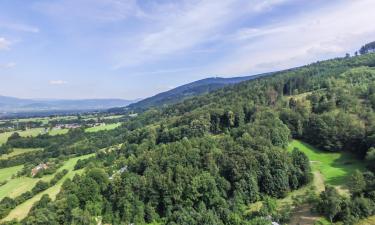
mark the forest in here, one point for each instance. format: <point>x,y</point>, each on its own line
<point>206,159</point>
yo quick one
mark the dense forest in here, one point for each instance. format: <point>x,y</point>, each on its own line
<point>204,160</point>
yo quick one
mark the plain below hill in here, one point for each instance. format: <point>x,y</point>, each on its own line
<point>11,105</point>
<point>188,90</point>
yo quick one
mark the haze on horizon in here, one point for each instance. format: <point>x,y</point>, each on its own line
<point>133,49</point>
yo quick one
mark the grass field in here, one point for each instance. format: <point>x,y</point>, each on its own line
<point>104,127</point>
<point>335,167</point>
<point>6,173</point>
<point>19,151</point>
<point>368,221</point>
<point>30,132</point>
<point>57,131</point>
<point>22,210</point>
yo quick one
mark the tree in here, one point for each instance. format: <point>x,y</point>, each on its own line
<point>356,183</point>
<point>40,186</point>
<point>329,203</point>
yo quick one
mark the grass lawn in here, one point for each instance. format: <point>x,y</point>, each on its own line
<point>335,167</point>
<point>30,132</point>
<point>23,209</point>
<point>6,173</point>
<point>19,151</point>
<point>57,131</point>
<point>104,127</point>
<point>368,221</point>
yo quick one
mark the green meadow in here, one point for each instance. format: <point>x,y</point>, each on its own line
<point>19,151</point>
<point>104,127</point>
<point>335,167</point>
<point>30,132</point>
<point>6,173</point>
<point>22,210</point>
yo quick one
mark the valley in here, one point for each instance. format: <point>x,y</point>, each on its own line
<point>292,147</point>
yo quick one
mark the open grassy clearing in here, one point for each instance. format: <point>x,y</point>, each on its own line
<point>368,221</point>
<point>6,173</point>
<point>24,133</point>
<point>104,127</point>
<point>30,132</point>
<point>335,167</point>
<point>23,209</point>
<point>19,151</point>
<point>57,131</point>
<point>19,185</point>
<point>328,168</point>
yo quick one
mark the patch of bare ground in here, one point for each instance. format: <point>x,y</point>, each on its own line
<point>302,215</point>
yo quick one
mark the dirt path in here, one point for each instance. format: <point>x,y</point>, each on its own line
<point>319,182</point>
<point>303,214</point>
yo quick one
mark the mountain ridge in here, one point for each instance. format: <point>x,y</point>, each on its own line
<point>191,89</point>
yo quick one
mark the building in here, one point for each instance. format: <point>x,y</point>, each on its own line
<point>38,168</point>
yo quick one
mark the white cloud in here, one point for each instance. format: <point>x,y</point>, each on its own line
<point>191,24</point>
<point>4,44</point>
<point>19,27</point>
<point>321,34</point>
<point>8,65</point>
<point>57,82</point>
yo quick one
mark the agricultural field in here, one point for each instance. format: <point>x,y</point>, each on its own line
<point>335,167</point>
<point>103,127</point>
<point>6,173</point>
<point>19,151</point>
<point>31,132</point>
<point>22,210</point>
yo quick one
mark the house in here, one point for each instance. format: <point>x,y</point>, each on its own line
<point>38,168</point>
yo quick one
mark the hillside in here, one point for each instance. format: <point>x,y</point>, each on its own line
<point>189,90</point>
<point>227,157</point>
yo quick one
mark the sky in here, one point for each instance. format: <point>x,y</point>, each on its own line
<point>130,49</point>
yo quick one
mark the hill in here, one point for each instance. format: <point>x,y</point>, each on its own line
<point>208,159</point>
<point>189,90</point>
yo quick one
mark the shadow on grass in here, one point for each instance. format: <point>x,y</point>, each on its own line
<point>347,163</point>
<point>336,167</point>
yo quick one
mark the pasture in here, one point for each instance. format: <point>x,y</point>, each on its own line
<point>23,209</point>
<point>6,173</point>
<point>33,132</point>
<point>19,151</point>
<point>103,127</point>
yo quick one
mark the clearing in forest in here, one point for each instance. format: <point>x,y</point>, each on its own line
<point>334,166</point>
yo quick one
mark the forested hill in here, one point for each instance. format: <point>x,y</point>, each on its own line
<point>188,90</point>
<point>209,158</point>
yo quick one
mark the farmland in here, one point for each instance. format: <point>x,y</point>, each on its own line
<point>19,151</point>
<point>103,127</point>
<point>26,184</point>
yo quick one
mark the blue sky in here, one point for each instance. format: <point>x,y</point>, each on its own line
<point>136,48</point>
